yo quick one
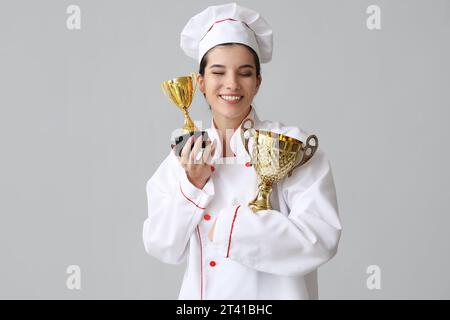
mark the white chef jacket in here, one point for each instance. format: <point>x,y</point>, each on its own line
<point>273,254</point>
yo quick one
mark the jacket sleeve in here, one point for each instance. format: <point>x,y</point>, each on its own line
<point>293,244</point>
<point>175,207</point>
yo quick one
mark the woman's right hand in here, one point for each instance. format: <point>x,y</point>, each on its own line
<point>198,168</point>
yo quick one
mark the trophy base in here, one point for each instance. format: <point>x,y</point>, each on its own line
<point>180,141</point>
<point>256,206</point>
<point>261,202</point>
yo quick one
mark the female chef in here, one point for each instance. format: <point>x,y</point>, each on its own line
<point>198,202</point>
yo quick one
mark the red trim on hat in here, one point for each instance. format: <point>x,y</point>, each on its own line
<point>228,19</point>
<point>231,231</point>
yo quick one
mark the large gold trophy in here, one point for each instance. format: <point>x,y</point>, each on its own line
<point>181,91</point>
<point>274,156</point>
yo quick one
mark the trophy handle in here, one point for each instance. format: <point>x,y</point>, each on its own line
<point>309,147</point>
<point>164,90</point>
<point>243,132</point>
<point>194,80</point>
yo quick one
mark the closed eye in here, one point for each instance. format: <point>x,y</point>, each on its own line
<point>244,75</point>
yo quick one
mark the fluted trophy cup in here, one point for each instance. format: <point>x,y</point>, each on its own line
<point>181,91</point>
<point>274,156</point>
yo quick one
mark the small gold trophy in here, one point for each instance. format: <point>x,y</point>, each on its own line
<point>181,92</point>
<point>274,156</point>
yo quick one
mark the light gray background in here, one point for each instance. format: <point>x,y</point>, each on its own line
<point>84,124</point>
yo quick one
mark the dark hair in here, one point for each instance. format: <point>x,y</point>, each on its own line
<point>204,61</point>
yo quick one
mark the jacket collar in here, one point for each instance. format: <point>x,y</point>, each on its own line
<point>236,144</point>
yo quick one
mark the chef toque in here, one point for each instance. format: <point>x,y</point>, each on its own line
<point>224,24</point>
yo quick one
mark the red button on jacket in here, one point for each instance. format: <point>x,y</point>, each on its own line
<point>207,217</point>
<point>212,263</point>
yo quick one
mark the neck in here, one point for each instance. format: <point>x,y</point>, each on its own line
<point>226,127</point>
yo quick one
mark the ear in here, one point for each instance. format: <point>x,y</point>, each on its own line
<point>258,83</point>
<point>201,83</point>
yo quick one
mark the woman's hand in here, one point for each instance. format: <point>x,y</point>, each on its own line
<point>196,163</point>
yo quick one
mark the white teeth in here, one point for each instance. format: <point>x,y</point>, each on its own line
<point>230,98</point>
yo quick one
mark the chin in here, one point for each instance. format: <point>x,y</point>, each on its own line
<point>231,112</point>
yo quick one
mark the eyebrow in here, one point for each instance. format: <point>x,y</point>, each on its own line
<point>222,66</point>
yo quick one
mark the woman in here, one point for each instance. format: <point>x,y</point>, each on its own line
<point>198,202</point>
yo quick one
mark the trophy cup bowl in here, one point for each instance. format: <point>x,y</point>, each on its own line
<point>274,156</point>
<point>181,91</point>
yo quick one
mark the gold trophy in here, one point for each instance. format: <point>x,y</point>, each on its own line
<point>181,91</point>
<point>274,156</point>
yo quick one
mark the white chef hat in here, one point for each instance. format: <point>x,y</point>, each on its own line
<point>224,24</point>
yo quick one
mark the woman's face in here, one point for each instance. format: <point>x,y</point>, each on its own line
<point>230,74</point>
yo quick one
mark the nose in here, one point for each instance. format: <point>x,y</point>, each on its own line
<point>232,82</point>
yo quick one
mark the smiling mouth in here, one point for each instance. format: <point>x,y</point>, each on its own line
<point>231,98</point>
